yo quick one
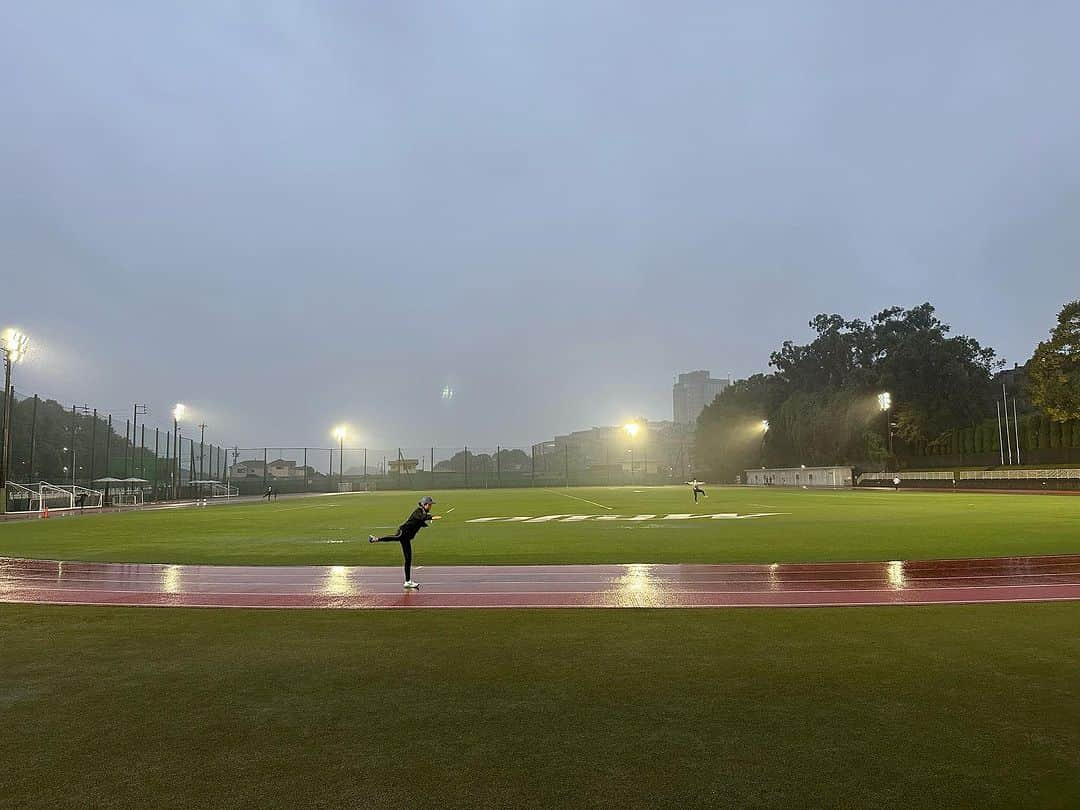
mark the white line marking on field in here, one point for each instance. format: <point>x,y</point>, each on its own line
<point>576,498</point>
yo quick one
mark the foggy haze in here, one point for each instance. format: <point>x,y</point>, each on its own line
<point>328,212</point>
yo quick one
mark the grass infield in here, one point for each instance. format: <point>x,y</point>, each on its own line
<point>884,707</point>
<point>813,526</point>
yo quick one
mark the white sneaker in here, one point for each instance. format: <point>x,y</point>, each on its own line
<point>411,585</point>
<point>372,538</point>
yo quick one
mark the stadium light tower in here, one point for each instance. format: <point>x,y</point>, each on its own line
<point>632,429</point>
<point>14,344</point>
<point>177,415</point>
<point>884,401</point>
<point>339,434</point>
<point>761,449</point>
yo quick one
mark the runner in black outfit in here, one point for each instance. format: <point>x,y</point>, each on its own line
<point>697,488</point>
<point>419,518</point>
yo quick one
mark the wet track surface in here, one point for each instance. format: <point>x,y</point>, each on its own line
<point>1005,579</point>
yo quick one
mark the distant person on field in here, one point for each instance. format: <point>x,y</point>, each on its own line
<point>896,483</point>
<point>269,494</point>
<point>421,516</point>
<point>696,485</point>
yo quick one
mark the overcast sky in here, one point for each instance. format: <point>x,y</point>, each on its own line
<point>294,214</point>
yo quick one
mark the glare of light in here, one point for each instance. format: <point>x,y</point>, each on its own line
<point>170,579</point>
<point>16,344</point>
<point>764,425</point>
<point>884,400</point>
<point>337,581</point>
<point>632,429</point>
<point>178,412</point>
<point>447,392</point>
<point>339,432</point>
<point>894,573</point>
<point>638,587</point>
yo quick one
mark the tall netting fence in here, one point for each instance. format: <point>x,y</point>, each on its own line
<point>134,458</point>
<point>126,457</point>
<point>258,470</point>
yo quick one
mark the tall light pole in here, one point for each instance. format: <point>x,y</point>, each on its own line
<point>764,432</point>
<point>339,434</point>
<point>177,414</point>
<point>202,442</point>
<point>632,429</point>
<point>884,401</point>
<point>14,345</point>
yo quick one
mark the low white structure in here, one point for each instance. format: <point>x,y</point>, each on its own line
<point>822,477</point>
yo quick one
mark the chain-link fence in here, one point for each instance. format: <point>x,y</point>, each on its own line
<point>114,453</point>
<point>79,446</point>
<point>322,469</point>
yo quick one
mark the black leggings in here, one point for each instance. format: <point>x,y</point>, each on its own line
<point>696,491</point>
<point>406,549</point>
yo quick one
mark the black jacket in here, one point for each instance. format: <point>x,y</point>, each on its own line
<point>415,522</point>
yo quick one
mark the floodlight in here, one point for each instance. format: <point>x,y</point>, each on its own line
<point>16,344</point>
<point>632,429</point>
<point>764,425</point>
<point>339,432</point>
<point>884,401</point>
<point>178,412</point>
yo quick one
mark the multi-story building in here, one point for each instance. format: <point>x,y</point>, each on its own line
<point>649,448</point>
<point>692,392</point>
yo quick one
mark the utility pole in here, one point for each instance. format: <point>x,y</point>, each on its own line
<point>93,447</point>
<point>33,436</point>
<point>136,412</point>
<point>108,458</point>
<point>178,413</point>
<point>202,446</point>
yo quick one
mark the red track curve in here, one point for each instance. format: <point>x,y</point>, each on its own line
<point>1004,579</point>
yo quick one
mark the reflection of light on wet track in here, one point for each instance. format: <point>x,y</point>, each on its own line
<point>894,573</point>
<point>170,579</point>
<point>774,580</point>
<point>638,587</point>
<point>337,582</point>
<point>1054,577</point>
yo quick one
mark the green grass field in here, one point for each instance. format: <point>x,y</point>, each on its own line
<point>888,707</point>
<point>865,525</point>
<point>959,706</point>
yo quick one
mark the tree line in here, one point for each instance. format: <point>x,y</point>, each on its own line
<point>885,391</point>
<point>50,442</point>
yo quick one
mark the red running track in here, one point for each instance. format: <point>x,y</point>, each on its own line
<point>1005,579</point>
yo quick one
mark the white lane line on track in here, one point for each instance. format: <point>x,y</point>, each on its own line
<point>320,582</point>
<point>155,570</point>
<point>541,606</point>
<point>603,593</point>
<point>576,498</point>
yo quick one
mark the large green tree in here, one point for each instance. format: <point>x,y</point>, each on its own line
<point>1054,371</point>
<point>821,403</point>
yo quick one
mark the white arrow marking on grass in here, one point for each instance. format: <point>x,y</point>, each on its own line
<point>625,518</point>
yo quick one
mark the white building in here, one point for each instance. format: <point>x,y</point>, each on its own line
<point>692,392</point>
<point>278,468</point>
<point>827,477</point>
